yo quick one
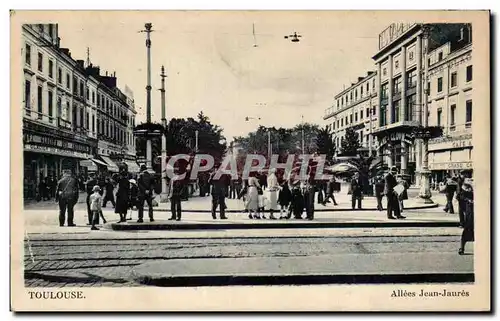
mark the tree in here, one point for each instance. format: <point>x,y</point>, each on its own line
<point>324,143</point>
<point>350,144</point>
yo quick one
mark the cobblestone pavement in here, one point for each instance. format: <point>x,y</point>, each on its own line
<point>67,261</point>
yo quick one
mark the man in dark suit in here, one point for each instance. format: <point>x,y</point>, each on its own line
<point>145,185</point>
<point>461,203</point>
<point>356,191</point>
<point>67,196</point>
<point>392,196</point>
<point>379,192</point>
<point>219,190</point>
<point>89,185</point>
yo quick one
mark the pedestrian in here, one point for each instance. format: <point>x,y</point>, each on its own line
<point>253,197</point>
<point>356,191</point>
<point>89,185</point>
<point>284,200</point>
<point>467,195</point>
<point>461,202</point>
<point>175,192</point>
<point>451,188</point>
<point>297,206</point>
<point>109,196</point>
<point>309,193</point>
<point>329,191</point>
<point>122,194</point>
<point>404,195</point>
<point>145,184</point>
<point>95,207</point>
<point>219,190</point>
<point>273,188</point>
<point>379,192</point>
<point>67,196</point>
<point>392,196</point>
<point>133,196</point>
<point>232,189</point>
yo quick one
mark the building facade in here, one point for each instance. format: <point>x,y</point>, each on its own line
<point>355,107</point>
<point>401,63</point>
<point>450,103</point>
<point>60,111</point>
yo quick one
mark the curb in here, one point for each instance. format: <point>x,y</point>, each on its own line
<point>168,225</point>
<point>251,280</point>
<point>418,207</point>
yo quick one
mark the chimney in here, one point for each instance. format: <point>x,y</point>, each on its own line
<point>114,73</point>
<point>360,78</point>
<point>106,73</point>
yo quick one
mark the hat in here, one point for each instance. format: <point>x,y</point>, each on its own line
<point>143,168</point>
<point>394,169</point>
<point>132,181</point>
<point>96,188</point>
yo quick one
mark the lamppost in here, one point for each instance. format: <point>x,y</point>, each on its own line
<point>164,192</point>
<point>148,31</point>
<point>269,146</point>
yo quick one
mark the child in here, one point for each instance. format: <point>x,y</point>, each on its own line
<point>95,207</point>
<point>134,195</point>
<point>284,200</point>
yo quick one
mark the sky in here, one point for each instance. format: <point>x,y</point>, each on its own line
<point>212,65</point>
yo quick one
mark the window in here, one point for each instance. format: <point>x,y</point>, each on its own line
<point>346,121</point>
<point>333,125</point>
<point>337,124</point>
<point>440,56</point>
<point>351,96</point>
<point>356,117</point>
<point>40,102</point>
<point>453,109</point>
<point>68,81</point>
<point>361,88</point>
<point>383,118</point>
<point>342,122</point>
<point>88,94</point>
<point>384,72</point>
<point>439,115</point>
<point>410,108</point>
<point>338,104</point>
<point>350,119</point>
<point>40,28</point>
<point>411,79</point>
<point>342,101</point>
<point>59,76</point>
<point>361,114</point>
<point>384,91</point>
<point>361,137</point>
<point>50,99</point>
<point>51,69</point>
<point>346,99</point>
<point>93,97</point>
<point>454,79</point>
<point>428,88</point>
<point>27,54</point>
<point>98,100</point>
<point>469,73</point>
<point>428,61</point>
<point>75,85</point>
<point>411,55</point>
<point>367,112</point>
<point>367,87</point>
<point>356,94</point>
<point>81,117</point>
<point>373,85</point>
<point>93,123</point>
<point>374,111</point>
<point>440,84</point>
<point>40,62</point>
<point>397,85</point>
<point>59,107</point>
<point>27,96</point>
<point>81,89</point>
<point>396,111</point>
<point>396,64</point>
<point>468,113</point>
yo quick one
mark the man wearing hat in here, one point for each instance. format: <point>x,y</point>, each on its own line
<point>392,196</point>
<point>67,196</point>
<point>461,202</point>
<point>145,184</point>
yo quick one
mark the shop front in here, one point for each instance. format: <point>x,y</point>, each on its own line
<point>49,151</point>
<point>450,155</point>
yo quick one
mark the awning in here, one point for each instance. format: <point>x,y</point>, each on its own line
<point>88,164</point>
<point>112,167</point>
<point>132,166</point>
<point>98,162</point>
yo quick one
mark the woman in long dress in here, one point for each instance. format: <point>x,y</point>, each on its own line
<point>273,188</point>
<point>468,232</point>
<point>122,194</point>
<point>253,198</point>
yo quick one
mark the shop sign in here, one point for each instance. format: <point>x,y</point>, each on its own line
<point>463,143</point>
<point>57,143</point>
<point>54,150</point>
<point>450,165</point>
<point>391,33</point>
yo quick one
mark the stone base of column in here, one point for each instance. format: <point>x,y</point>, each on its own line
<point>425,194</point>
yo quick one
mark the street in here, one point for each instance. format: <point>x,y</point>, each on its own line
<point>75,256</point>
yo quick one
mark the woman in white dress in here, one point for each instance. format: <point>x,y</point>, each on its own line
<point>253,198</point>
<point>273,187</point>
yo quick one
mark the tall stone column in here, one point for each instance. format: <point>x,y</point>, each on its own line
<point>418,107</point>
<point>389,90</point>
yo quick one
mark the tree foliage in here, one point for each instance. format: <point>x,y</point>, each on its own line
<point>350,144</point>
<point>325,144</point>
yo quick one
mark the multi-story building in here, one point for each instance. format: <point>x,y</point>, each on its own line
<point>450,104</point>
<point>53,135</point>
<point>401,61</point>
<point>67,108</point>
<point>355,107</point>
